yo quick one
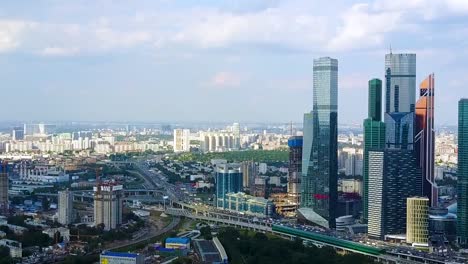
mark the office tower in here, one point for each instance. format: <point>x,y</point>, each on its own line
<point>108,205</point>
<point>65,207</point>
<point>462,183</point>
<point>319,175</point>
<point>249,173</point>
<point>181,140</point>
<point>374,133</point>
<point>17,133</point>
<point>4,188</point>
<point>417,220</point>
<point>400,82</point>
<point>228,180</point>
<point>236,132</point>
<point>295,167</point>
<point>425,138</point>
<point>392,178</point>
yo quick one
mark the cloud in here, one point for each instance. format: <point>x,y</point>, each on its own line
<point>59,51</point>
<point>11,32</point>
<point>225,80</point>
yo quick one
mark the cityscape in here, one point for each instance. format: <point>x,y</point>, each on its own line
<point>391,187</point>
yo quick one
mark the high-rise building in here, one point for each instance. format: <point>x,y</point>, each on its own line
<point>319,177</point>
<point>228,180</point>
<point>249,173</point>
<point>217,141</point>
<point>295,167</point>
<point>462,183</point>
<point>425,138</point>
<point>108,205</point>
<point>17,133</point>
<point>3,188</point>
<point>417,220</point>
<point>181,140</point>
<point>236,132</point>
<point>393,177</point>
<point>374,134</point>
<point>65,207</point>
<point>400,82</point>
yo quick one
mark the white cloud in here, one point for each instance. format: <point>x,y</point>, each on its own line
<point>59,51</point>
<point>11,32</point>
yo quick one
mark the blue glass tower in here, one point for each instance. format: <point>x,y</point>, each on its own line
<point>228,180</point>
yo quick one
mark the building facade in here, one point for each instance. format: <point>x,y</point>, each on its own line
<point>249,173</point>
<point>319,179</point>
<point>248,204</point>
<point>462,183</point>
<point>108,205</point>
<point>392,178</point>
<point>425,138</point>
<point>228,180</point>
<point>181,140</point>
<point>65,207</point>
<point>3,188</point>
<point>417,220</point>
<point>295,167</point>
<point>400,82</point>
<point>108,257</point>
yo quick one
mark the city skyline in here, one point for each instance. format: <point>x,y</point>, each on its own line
<point>133,56</point>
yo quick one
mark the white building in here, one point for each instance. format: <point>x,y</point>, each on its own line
<point>217,141</point>
<point>65,207</point>
<point>181,140</point>
<point>262,168</point>
<point>108,205</point>
<point>14,246</point>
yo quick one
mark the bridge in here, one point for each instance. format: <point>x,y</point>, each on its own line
<point>382,255</point>
<point>149,195</point>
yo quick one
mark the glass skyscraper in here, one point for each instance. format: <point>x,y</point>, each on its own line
<point>374,134</point>
<point>319,174</point>
<point>400,82</point>
<point>228,180</point>
<point>425,138</point>
<point>462,184</point>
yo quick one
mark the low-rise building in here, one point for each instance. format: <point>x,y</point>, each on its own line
<point>64,232</point>
<point>15,247</point>
<point>178,242</point>
<point>108,257</point>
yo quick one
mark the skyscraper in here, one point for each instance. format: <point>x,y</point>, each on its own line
<point>319,174</point>
<point>393,177</point>
<point>417,220</point>
<point>425,138</point>
<point>374,134</point>
<point>3,188</point>
<point>17,133</point>
<point>249,172</point>
<point>462,183</point>
<point>228,180</point>
<point>65,207</point>
<point>295,167</point>
<point>108,205</point>
<point>400,82</point>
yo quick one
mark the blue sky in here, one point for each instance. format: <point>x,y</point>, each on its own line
<point>211,60</point>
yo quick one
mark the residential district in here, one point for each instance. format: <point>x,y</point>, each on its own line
<point>393,189</point>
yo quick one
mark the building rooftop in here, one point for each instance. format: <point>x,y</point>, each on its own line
<point>178,240</point>
<point>119,254</point>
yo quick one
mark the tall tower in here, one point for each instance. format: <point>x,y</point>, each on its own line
<point>4,188</point>
<point>462,183</point>
<point>319,174</point>
<point>181,140</point>
<point>65,207</point>
<point>374,134</point>
<point>108,205</point>
<point>425,138</point>
<point>400,82</point>
<point>417,220</point>
<point>228,180</point>
<point>295,167</point>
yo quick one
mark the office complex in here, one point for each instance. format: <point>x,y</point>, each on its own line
<point>249,173</point>
<point>425,138</point>
<point>17,133</point>
<point>374,133</point>
<point>108,205</point>
<point>295,167</point>
<point>108,257</point>
<point>462,183</point>
<point>392,178</point>
<point>3,188</point>
<point>320,169</point>
<point>400,82</point>
<point>228,180</point>
<point>417,220</point>
<point>65,207</point>
<point>181,140</point>
<point>248,204</point>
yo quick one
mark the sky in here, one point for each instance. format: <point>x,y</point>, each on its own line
<point>212,60</point>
